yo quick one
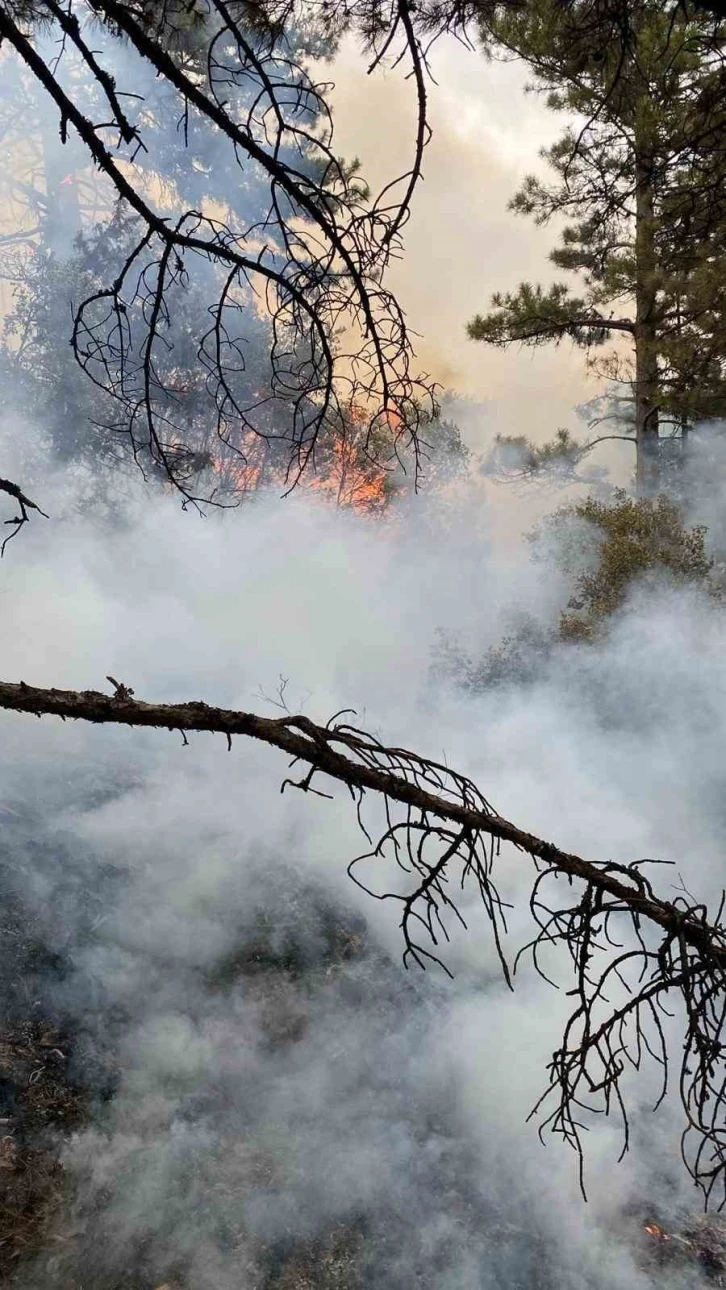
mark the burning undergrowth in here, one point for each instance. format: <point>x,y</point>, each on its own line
<point>682,1247</point>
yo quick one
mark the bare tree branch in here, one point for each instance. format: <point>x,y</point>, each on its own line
<point>312,260</point>
<point>25,504</point>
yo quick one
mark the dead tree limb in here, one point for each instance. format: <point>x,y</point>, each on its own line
<point>24,505</point>
<point>632,952</point>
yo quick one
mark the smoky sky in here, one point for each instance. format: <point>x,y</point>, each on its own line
<point>462,244</point>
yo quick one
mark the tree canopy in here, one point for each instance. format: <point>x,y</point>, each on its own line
<point>640,175</point>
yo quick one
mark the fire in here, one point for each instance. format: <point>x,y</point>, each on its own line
<point>351,474</point>
<point>350,480</point>
<point>654,1230</point>
<point>345,472</point>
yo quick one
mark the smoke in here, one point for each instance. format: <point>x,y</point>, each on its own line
<point>274,1097</point>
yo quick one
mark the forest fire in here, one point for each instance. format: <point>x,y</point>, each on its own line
<point>270,1039</point>
<point>351,480</point>
<point>343,471</point>
<point>697,1241</point>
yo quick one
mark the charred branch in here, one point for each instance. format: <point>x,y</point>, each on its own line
<point>24,505</point>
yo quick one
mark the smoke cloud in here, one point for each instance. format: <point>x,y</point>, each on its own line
<point>274,1097</point>
<point>461,243</point>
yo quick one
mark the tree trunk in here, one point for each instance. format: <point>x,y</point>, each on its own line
<point>646,348</point>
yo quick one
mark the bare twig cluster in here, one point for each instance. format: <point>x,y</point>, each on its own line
<point>311,258</point>
<point>629,983</point>
<point>636,957</point>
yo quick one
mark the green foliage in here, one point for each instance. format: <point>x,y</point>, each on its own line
<point>633,541</point>
<point>514,661</point>
<point>642,185</point>
<point>446,458</point>
<point>637,539</point>
<point>533,316</point>
<point>515,456</point>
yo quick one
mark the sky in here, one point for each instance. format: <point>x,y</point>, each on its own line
<point>462,244</point>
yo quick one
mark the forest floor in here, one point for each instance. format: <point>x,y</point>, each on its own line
<point>54,1083</point>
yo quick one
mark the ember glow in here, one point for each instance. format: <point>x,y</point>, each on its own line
<point>654,1230</point>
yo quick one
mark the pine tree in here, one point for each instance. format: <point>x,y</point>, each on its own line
<point>640,175</point>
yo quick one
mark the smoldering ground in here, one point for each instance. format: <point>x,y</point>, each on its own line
<point>272,1100</point>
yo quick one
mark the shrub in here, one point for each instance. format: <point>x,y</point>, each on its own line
<point>639,537</point>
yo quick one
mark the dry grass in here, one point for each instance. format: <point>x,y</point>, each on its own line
<point>331,1262</point>
<point>36,1097</point>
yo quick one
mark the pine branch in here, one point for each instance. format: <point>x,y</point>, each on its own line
<point>532,315</point>
<point>496,332</point>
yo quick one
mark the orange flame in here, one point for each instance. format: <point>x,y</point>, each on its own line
<point>351,481</point>
<point>345,474</point>
<point>654,1230</point>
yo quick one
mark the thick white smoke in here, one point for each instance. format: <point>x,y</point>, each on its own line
<point>273,1078</point>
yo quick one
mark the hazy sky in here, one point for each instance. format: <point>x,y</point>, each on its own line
<point>462,243</point>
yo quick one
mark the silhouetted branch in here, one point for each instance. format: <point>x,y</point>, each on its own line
<point>25,505</point>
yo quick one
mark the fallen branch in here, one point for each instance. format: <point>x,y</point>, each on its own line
<point>319,746</point>
<point>671,946</point>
